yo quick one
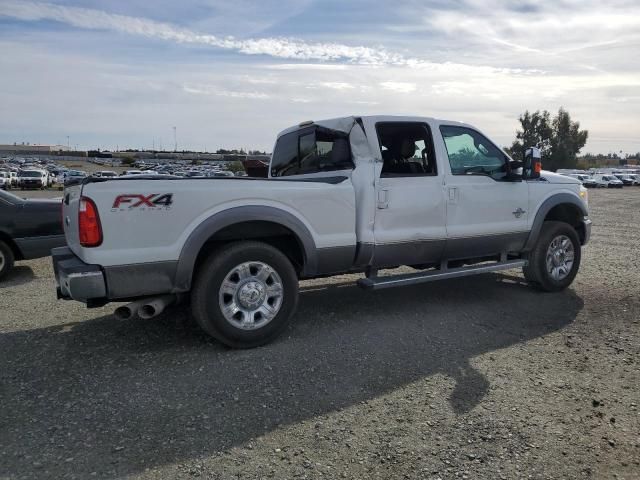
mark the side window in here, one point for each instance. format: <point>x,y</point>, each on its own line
<point>310,151</point>
<point>471,153</point>
<point>406,149</point>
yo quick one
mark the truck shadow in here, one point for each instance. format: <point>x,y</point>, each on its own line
<point>116,397</point>
<point>19,275</point>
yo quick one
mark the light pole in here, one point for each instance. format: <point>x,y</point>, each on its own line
<point>175,141</point>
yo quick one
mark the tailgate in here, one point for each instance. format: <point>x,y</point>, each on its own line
<point>70,205</point>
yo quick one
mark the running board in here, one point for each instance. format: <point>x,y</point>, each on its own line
<point>377,283</point>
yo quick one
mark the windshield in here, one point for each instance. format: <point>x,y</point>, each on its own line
<point>30,173</point>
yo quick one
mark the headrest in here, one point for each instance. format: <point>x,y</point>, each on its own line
<point>408,148</point>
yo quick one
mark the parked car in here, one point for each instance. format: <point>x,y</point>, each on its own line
<point>74,175</point>
<point>587,181</point>
<point>105,174</point>
<point>5,181</point>
<point>33,178</point>
<point>131,172</point>
<point>609,181</point>
<point>354,194</point>
<point>635,177</point>
<point>28,229</point>
<point>14,178</point>
<point>626,179</point>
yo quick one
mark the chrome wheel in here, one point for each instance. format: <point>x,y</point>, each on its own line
<point>2,260</point>
<point>251,295</point>
<point>560,257</point>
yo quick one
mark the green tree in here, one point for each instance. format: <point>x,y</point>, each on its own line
<point>566,142</point>
<point>560,139</point>
<point>235,167</point>
<point>536,132</point>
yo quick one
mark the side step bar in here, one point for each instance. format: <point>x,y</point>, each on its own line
<point>377,283</point>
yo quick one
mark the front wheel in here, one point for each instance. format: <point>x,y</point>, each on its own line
<point>555,259</point>
<point>244,294</point>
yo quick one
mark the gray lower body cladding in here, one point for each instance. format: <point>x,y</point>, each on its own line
<point>140,280</point>
<point>434,251</point>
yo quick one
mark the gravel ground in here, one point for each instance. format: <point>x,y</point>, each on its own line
<point>479,378</point>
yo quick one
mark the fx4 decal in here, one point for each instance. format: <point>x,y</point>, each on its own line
<point>153,201</point>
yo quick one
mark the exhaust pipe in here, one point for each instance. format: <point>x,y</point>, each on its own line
<point>155,306</point>
<point>130,310</point>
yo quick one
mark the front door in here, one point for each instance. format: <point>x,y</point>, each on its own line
<point>409,226</point>
<point>486,211</point>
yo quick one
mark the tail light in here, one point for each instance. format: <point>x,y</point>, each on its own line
<point>89,228</point>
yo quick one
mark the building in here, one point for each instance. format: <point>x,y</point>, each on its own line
<point>33,149</point>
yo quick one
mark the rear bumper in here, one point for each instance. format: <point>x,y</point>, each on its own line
<point>77,280</point>
<point>96,285</point>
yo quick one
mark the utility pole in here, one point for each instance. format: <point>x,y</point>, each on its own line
<point>175,141</point>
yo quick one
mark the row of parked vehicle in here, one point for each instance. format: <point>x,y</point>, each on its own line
<point>27,173</point>
<point>605,179</point>
<point>24,179</point>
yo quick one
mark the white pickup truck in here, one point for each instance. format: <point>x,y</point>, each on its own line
<point>353,194</point>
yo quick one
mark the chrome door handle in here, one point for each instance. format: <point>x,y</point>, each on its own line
<point>383,199</point>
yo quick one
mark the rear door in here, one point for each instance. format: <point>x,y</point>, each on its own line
<point>486,211</point>
<point>409,226</point>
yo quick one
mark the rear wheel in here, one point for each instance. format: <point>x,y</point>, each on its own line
<point>6,259</point>
<point>245,294</point>
<point>555,259</point>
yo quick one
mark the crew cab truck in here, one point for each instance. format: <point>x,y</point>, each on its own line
<point>352,194</point>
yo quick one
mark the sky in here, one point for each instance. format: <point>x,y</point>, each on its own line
<point>231,74</point>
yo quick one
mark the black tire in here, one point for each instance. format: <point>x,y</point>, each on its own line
<point>536,271</point>
<point>6,259</point>
<point>205,294</point>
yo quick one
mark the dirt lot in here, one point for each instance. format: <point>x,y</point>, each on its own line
<point>480,378</point>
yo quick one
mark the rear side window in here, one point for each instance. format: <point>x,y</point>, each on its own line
<point>311,150</point>
<point>406,149</point>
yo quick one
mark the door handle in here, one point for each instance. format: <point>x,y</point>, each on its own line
<point>383,198</point>
<point>453,194</point>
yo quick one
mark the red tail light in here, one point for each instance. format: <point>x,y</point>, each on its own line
<point>89,226</point>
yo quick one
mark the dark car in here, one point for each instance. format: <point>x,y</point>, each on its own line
<point>28,229</point>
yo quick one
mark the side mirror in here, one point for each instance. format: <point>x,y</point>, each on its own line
<point>514,170</point>
<point>532,163</point>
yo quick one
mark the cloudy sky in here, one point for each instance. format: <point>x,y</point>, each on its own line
<point>234,73</point>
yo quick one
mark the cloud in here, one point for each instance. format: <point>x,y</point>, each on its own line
<point>214,90</point>
<point>400,87</point>
<point>278,47</point>
<point>337,85</point>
